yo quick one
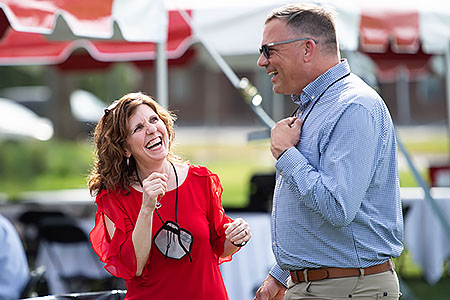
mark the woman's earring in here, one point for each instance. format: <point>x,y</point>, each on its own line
<point>128,161</point>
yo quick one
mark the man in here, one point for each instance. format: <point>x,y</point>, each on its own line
<point>336,219</point>
<point>14,273</point>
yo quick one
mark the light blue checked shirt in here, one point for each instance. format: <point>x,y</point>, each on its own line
<point>337,195</point>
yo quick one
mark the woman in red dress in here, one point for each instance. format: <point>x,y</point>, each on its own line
<point>160,223</point>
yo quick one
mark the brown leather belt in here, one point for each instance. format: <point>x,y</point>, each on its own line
<point>307,275</point>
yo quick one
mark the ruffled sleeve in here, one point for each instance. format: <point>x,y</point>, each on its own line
<point>216,215</point>
<point>117,253</point>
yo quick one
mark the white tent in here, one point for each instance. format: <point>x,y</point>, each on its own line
<point>231,28</point>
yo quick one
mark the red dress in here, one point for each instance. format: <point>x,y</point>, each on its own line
<point>199,211</point>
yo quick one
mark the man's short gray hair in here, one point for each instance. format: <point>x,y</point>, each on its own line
<point>310,21</point>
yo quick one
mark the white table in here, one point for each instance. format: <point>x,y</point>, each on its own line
<point>425,237</point>
<point>73,202</point>
<point>251,265</point>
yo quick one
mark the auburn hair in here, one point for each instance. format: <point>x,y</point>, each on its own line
<point>111,171</point>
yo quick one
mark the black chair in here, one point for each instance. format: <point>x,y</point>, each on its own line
<point>30,220</point>
<point>261,192</point>
<point>36,276</point>
<point>35,216</point>
<point>65,231</point>
<point>116,294</point>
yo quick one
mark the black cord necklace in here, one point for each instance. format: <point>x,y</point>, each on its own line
<point>317,100</point>
<point>158,204</point>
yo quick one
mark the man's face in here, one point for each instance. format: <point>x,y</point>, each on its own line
<point>285,64</point>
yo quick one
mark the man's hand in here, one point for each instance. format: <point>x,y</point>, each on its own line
<point>284,135</point>
<point>271,289</point>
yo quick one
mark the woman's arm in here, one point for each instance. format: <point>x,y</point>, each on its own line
<point>154,186</point>
<point>142,236</point>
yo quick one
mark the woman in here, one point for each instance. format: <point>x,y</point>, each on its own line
<point>159,224</point>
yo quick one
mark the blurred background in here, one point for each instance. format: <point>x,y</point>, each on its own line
<point>61,64</point>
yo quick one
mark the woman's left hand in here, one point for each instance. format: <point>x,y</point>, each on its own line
<point>238,232</point>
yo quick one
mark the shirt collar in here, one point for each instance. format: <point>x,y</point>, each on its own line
<point>315,88</point>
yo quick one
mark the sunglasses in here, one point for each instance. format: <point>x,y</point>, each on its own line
<point>110,107</point>
<point>266,50</point>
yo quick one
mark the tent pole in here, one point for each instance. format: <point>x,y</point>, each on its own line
<point>162,75</point>
<point>403,98</point>
<point>248,91</point>
<point>447,64</point>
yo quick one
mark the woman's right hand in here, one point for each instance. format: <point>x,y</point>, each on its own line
<point>154,186</point>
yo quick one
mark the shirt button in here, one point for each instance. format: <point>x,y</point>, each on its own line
<point>274,243</point>
<point>281,173</point>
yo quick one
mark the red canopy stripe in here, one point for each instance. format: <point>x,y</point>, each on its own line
<point>33,48</point>
<point>379,28</point>
<point>84,17</point>
<point>392,40</point>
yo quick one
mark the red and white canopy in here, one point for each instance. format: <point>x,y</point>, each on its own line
<point>90,18</point>
<point>26,48</point>
<point>49,31</point>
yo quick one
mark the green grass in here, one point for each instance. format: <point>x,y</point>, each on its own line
<point>433,147</point>
<point>412,280</point>
<point>407,178</point>
<point>234,165</point>
<point>423,291</point>
<point>436,145</point>
<point>33,165</point>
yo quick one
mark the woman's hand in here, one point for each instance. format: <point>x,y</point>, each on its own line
<point>238,232</point>
<point>154,187</point>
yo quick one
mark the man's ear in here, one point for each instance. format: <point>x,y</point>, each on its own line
<point>309,50</point>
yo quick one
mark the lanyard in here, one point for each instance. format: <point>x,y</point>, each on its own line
<point>320,96</point>
<point>176,194</point>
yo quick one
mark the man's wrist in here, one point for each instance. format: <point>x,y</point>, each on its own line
<point>282,152</point>
<point>280,275</point>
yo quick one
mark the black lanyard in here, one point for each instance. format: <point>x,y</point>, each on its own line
<point>317,100</point>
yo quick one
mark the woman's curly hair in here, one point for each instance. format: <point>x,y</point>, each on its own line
<point>111,170</point>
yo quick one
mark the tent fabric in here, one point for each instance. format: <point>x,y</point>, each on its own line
<point>411,33</point>
<point>392,40</point>
<point>33,48</point>
<point>88,18</point>
<point>383,28</point>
